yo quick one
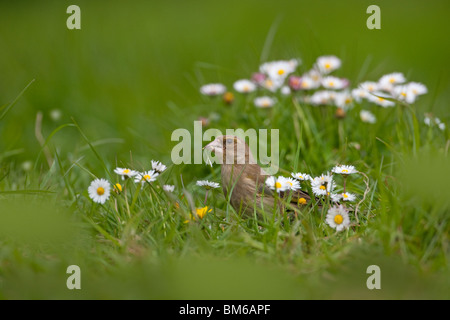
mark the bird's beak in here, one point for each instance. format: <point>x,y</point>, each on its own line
<point>215,146</point>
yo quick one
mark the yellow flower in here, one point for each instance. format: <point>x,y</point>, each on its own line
<point>118,188</point>
<point>201,212</point>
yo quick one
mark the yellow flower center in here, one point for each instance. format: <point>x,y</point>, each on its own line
<point>269,83</point>
<point>100,191</point>
<point>345,195</point>
<point>245,88</point>
<point>301,201</point>
<point>281,72</point>
<point>290,183</point>
<point>391,80</point>
<point>331,84</point>
<point>380,99</point>
<point>277,185</point>
<point>348,100</point>
<point>338,219</point>
<point>403,94</point>
<point>414,91</point>
<point>147,177</point>
<point>300,177</point>
<point>327,65</point>
<point>370,88</point>
<point>344,171</point>
<point>322,188</point>
<point>126,171</point>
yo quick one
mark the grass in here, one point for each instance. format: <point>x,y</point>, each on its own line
<point>138,244</point>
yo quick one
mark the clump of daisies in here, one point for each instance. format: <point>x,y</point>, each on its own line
<point>100,189</point>
<point>324,188</point>
<point>320,86</point>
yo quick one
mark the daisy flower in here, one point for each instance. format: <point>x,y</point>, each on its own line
<point>279,184</point>
<point>380,99</point>
<point>285,90</point>
<point>213,89</point>
<point>158,166</point>
<point>279,69</point>
<point>308,83</point>
<point>335,83</point>
<point>343,100</point>
<point>367,116</point>
<point>292,184</point>
<point>344,169</point>
<point>417,88</point>
<point>327,64</point>
<point>323,185</point>
<point>208,184</point>
<point>387,81</point>
<point>295,82</point>
<point>272,84</point>
<point>322,97</point>
<point>258,78</point>
<point>337,218</point>
<point>99,190</point>
<point>359,94</point>
<point>347,196</point>
<point>369,86</point>
<point>336,197</point>
<point>301,176</point>
<point>147,176</point>
<point>264,102</point>
<point>168,188</point>
<point>125,172</point>
<point>244,86</point>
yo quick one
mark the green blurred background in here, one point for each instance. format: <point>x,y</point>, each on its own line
<point>121,75</point>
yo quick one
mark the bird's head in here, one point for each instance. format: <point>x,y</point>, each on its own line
<point>231,149</point>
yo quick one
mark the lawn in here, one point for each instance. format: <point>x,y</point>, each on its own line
<point>77,104</point>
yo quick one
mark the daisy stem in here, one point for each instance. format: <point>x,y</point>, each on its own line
<point>206,196</point>
<point>136,194</point>
<point>345,180</point>
<point>126,202</point>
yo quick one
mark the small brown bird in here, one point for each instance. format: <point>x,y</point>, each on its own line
<point>243,180</point>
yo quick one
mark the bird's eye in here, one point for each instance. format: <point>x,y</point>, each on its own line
<point>229,141</point>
